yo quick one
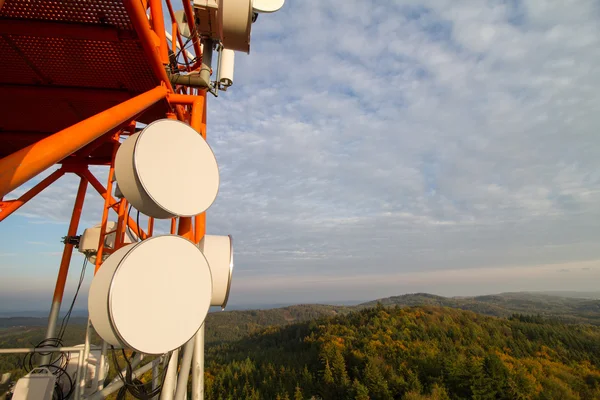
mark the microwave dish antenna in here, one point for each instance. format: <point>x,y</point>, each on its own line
<point>267,6</point>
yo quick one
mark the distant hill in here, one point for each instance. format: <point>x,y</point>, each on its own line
<point>232,325</point>
<point>11,322</point>
<point>566,309</point>
<point>575,295</point>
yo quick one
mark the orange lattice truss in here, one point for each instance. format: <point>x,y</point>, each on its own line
<point>76,75</point>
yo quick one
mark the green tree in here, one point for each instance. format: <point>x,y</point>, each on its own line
<point>360,391</point>
<point>298,394</point>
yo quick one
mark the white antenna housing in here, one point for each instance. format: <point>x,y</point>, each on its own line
<point>93,366</point>
<point>36,385</point>
<point>88,243</point>
<point>267,6</point>
<point>218,251</point>
<point>235,22</point>
<point>229,21</point>
<point>226,67</point>
<point>182,24</point>
<point>152,296</point>
<point>167,170</point>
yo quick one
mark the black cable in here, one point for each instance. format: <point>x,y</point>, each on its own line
<point>137,220</point>
<point>67,317</point>
<point>134,386</point>
<point>127,221</point>
<point>58,366</point>
<point>184,47</point>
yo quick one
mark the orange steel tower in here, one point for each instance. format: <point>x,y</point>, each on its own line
<point>80,74</point>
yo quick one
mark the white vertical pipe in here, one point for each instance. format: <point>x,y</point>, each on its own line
<point>170,378</point>
<point>100,369</point>
<point>198,366</point>
<point>78,389</point>
<point>155,378</point>
<point>184,370</point>
<point>82,362</point>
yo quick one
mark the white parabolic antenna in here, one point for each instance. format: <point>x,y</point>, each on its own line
<point>218,251</point>
<point>167,170</point>
<point>152,296</point>
<point>267,6</point>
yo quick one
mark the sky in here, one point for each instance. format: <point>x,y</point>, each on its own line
<point>370,149</point>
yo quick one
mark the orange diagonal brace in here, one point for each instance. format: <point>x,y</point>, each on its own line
<point>159,29</point>
<point>14,205</point>
<point>140,22</point>
<point>26,163</point>
<point>189,15</point>
<point>63,271</point>
<point>102,190</point>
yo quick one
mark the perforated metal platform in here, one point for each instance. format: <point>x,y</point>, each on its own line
<point>67,60</point>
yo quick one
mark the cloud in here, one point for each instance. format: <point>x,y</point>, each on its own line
<point>403,138</point>
<point>52,253</point>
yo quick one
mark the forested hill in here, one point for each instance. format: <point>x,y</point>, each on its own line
<point>567,309</point>
<point>410,353</point>
<point>233,325</point>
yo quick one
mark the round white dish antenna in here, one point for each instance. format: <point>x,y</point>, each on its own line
<point>167,170</point>
<point>218,251</point>
<point>235,22</point>
<point>267,6</point>
<point>152,296</point>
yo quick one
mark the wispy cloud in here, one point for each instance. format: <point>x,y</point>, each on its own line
<point>52,253</point>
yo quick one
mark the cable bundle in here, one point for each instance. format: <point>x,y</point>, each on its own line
<point>58,366</point>
<point>135,386</point>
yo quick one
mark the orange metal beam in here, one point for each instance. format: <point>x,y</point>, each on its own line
<point>150,226</point>
<point>159,29</point>
<point>199,114</point>
<point>184,99</point>
<point>185,228</point>
<point>137,15</point>
<point>175,33</point>
<point>104,193</point>
<point>121,223</point>
<point>68,250</point>
<point>107,203</point>
<point>9,207</point>
<point>189,15</point>
<point>26,163</point>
